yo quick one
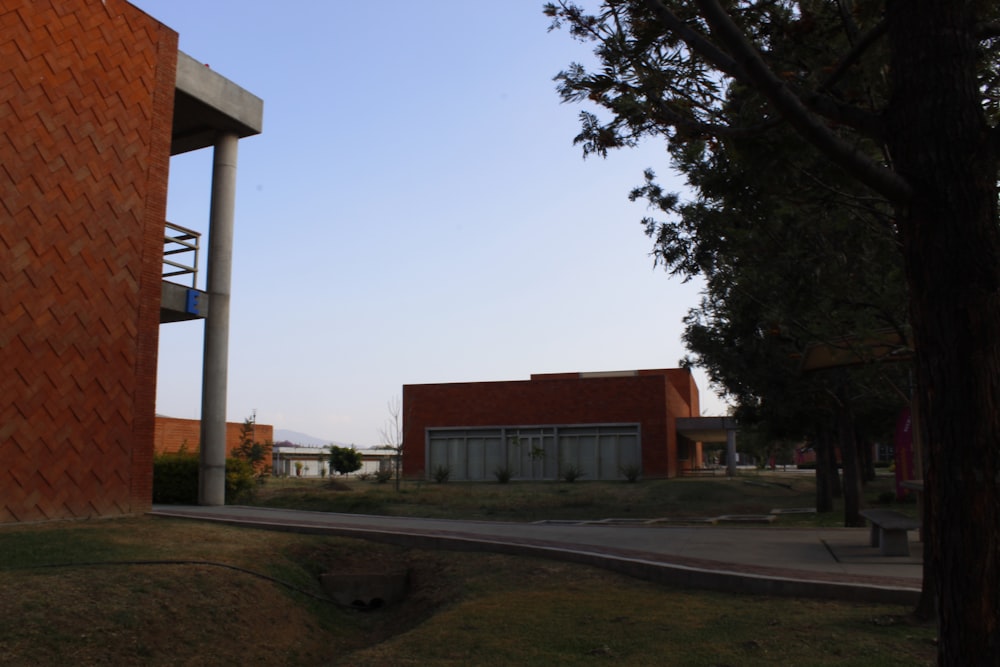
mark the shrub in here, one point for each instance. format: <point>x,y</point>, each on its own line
<point>503,474</point>
<point>383,476</point>
<point>886,497</point>
<point>441,474</point>
<point>240,480</point>
<point>630,472</point>
<point>364,476</point>
<point>175,478</point>
<point>571,473</point>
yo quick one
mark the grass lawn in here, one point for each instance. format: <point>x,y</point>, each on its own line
<point>154,591</point>
<point>677,499</point>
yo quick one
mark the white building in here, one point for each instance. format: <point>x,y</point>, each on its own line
<point>300,461</point>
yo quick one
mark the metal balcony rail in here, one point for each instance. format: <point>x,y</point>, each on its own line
<point>180,245</point>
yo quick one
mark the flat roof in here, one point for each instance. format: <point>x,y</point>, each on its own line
<point>706,429</point>
<point>206,103</point>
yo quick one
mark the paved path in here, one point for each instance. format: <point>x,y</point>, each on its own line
<point>828,563</point>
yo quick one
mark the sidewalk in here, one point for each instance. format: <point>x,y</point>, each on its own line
<point>826,563</point>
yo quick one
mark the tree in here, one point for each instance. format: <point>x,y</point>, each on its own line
<point>792,253</point>
<point>254,453</point>
<point>906,102</point>
<point>391,435</point>
<point>344,460</point>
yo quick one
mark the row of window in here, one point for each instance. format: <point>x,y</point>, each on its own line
<point>537,453</point>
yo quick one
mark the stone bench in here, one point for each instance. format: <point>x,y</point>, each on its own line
<point>889,531</point>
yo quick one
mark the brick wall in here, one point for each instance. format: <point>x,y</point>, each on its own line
<point>86,106</point>
<point>171,434</point>
<point>649,398</point>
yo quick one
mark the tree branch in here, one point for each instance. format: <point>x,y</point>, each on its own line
<point>879,178</point>
<point>697,42</point>
<point>866,123</point>
<point>860,46</point>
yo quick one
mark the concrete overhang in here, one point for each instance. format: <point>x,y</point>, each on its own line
<point>206,103</point>
<point>706,429</point>
<point>181,304</point>
<point>878,347</point>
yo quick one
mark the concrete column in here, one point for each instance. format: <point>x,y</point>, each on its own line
<point>731,452</point>
<point>215,364</point>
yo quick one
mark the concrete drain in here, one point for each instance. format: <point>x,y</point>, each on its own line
<point>366,591</point>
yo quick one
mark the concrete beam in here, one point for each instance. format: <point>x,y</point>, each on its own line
<point>181,304</point>
<point>206,103</point>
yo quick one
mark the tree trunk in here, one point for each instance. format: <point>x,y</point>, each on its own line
<point>866,453</point>
<point>849,456</point>
<point>940,142</point>
<point>824,488</point>
<point>833,464</point>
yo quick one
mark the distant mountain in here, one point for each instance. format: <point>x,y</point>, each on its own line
<point>301,439</point>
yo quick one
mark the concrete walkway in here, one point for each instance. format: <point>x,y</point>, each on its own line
<point>825,563</point>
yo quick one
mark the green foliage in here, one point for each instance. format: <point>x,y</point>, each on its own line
<point>441,474</point>
<point>631,472</point>
<point>344,460</point>
<point>886,497</point>
<point>254,453</point>
<point>175,478</point>
<point>241,480</point>
<point>383,476</point>
<point>571,473</point>
<point>503,474</point>
<point>792,249</point>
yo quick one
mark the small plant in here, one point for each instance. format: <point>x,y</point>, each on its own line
<point>383,476</point>
<point>364,476</point>
<point>241,480</point>
<point>441,474</point>
<point>886,497</point>
<point>630,472</point>
<point>571,473</point>
<point>503,474</point>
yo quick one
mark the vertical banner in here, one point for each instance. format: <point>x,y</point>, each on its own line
<point>903,447</point>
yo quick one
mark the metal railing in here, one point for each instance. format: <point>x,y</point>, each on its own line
<point>180,245</point>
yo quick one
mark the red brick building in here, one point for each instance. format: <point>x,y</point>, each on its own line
<point>87,127</point>
<point>599,423</point>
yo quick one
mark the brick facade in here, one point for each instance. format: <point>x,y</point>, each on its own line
<point>652,398</point>
<point>171,434</point>
<point>86,107</point>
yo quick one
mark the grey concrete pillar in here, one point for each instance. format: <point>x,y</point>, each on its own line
<point>731,452</point>
<point>215,364</point>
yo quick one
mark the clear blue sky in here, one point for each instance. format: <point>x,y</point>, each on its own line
<point>414,212</point>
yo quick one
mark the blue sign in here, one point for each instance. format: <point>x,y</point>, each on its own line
<point>192,305</point>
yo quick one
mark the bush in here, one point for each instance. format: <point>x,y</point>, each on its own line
<point>383,476</point>
<point>503,474</point>
<point>175,478</point>
<point>886,497</point>
<point>441,474</point>
<point>630,472</point>
<point>240,480</point>
<point>571,473</point>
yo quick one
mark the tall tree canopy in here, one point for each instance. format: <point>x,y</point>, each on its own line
<point>902,97</point>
